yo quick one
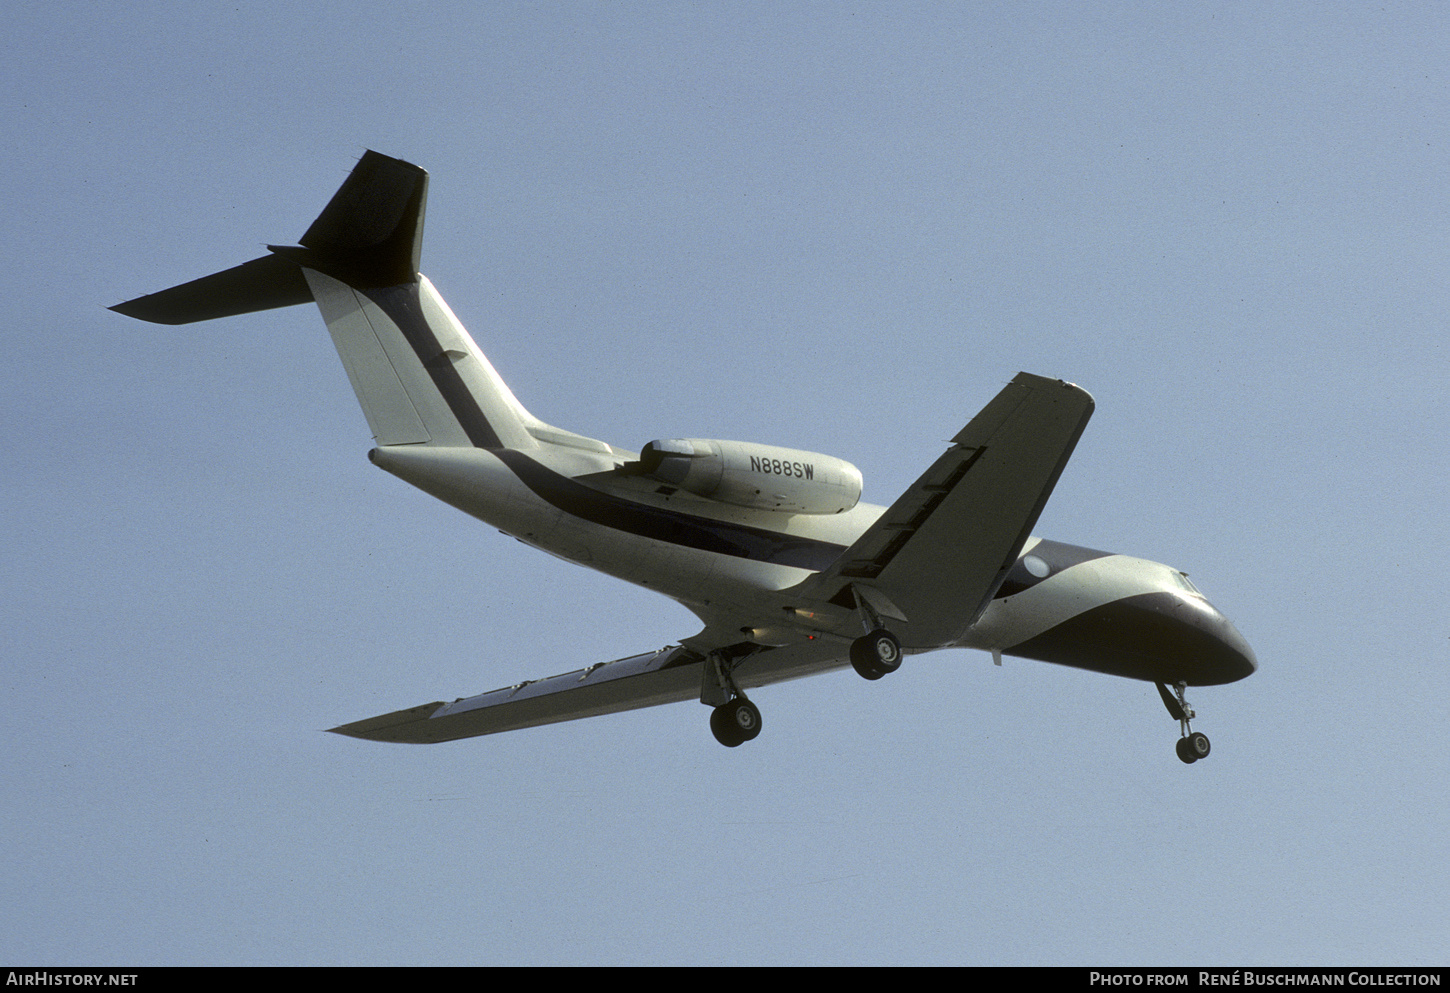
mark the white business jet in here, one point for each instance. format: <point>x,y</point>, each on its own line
<point>790,574</point>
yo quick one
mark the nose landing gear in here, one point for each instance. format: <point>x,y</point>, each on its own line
<point>1192,745</point>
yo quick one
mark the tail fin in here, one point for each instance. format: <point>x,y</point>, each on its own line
<point>419,376</point>
<point>370,234</point>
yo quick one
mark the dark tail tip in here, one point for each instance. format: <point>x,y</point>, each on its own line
<point>371,232</point>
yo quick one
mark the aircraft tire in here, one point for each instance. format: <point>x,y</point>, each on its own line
<point>1183,753</point>
<point>721,728</point>
<point>876,654</point>
<point>735,722</point>
<point>1197,745</point>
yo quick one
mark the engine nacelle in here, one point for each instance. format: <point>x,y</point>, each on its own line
<point>760,476</point>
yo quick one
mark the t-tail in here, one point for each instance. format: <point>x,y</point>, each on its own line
<point>419,376</point>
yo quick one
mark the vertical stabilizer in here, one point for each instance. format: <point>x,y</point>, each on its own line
<point>420,378</point>
<point>371,231</point>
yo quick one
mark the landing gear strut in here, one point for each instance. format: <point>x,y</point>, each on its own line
<point>734,720</point>
<point>1192,745</point>
<point>877,652</point>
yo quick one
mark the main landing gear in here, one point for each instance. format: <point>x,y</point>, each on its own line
<point>737,720</point>
<point>1192,745</point>
<point>734,720</point>
<point>876,654</point>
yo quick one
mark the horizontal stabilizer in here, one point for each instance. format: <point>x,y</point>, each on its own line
<point>260,284</point>
<point>370,235</point>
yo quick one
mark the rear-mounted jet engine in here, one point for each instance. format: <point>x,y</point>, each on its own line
<point>747,475</point>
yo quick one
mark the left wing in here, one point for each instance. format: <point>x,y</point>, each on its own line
<point>670,675</point>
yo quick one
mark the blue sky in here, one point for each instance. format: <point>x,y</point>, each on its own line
<point>833,227</point>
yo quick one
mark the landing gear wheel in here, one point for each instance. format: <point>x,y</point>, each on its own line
<point>876,654</point>
<point>735,722</point>
<point>1197,745</point>
<point>1193,747</point>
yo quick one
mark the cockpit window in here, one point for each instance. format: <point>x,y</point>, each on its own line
<point>1181,578</point>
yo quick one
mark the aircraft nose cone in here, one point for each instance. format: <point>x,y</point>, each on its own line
<point>1238,660</point>
<point>1203,644</point>
<point>1160,637</point>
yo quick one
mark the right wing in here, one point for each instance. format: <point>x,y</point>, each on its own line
<point>938,554</point>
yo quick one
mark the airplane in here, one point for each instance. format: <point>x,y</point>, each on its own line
<point>771,548</point>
